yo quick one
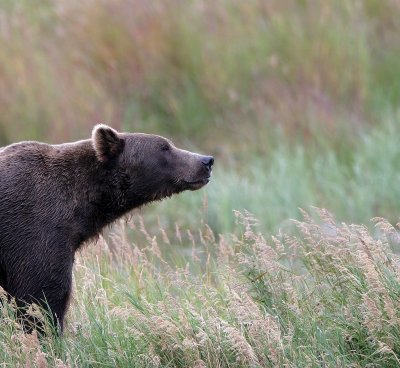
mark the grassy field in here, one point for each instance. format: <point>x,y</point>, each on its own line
<point>325,294</point>
<point>299,103</point>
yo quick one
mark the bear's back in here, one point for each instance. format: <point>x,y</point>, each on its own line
<point>20,164</point>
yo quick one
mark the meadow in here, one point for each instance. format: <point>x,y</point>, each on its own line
<point>324,295</point>
<point>298,102</point>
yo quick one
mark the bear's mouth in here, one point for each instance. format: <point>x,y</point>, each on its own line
<point>197,184</point>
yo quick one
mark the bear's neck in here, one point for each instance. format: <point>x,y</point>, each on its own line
<point>107,193</point>
<point>106,197</point>
<point>93,189</point>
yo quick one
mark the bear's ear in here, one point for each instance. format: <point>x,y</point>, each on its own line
<point>106,142</point>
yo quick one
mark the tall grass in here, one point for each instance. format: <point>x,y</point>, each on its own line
<point>322,295</point>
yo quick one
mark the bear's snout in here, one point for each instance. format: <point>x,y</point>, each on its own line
<point>208,161</point>
<point>205,167</point>
<point>200,172</point>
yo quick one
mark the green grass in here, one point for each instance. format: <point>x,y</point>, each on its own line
<point>322,295</point>
<point>356,188</point>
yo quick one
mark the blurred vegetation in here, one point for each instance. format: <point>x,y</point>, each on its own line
<point>298,100</point>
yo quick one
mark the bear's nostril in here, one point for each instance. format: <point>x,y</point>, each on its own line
<point>208,160</point>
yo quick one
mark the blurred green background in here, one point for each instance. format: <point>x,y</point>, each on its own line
<point>297,100</point>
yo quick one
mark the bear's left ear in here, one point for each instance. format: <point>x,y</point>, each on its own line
<point>106,142</point>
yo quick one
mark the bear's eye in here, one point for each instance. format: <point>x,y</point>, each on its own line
<point>165,147</point>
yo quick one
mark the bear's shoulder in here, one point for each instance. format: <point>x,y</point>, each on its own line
<point>25,147</point>
<point>27,155</point>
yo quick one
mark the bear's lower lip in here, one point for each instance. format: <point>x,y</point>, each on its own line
<point>193,185</point>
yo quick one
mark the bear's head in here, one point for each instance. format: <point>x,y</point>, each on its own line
<point>152,166</point>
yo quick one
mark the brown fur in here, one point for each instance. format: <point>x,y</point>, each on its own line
<point>55,197</point>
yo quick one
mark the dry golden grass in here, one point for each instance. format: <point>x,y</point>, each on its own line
<point>322,294</point>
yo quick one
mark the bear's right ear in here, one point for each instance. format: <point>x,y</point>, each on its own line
<point>106,142</point>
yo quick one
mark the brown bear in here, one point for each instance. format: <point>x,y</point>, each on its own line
<point>55,197</point>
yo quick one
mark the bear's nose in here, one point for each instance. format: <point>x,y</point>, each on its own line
<point>208,161</point>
